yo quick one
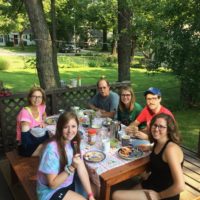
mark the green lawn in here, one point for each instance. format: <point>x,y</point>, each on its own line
<point>19,79</point>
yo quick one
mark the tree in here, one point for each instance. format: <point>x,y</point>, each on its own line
<point>124,42</point>
<point>173,38</point>
<point>102,15</point>
<point>44,51</point>
<point>13,19</point>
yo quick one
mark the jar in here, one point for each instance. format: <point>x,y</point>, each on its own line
<point>92,136</point>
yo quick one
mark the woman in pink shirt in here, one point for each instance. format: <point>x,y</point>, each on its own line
<point>31,116</point>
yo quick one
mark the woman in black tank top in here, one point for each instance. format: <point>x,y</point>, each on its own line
<point>165,177</point>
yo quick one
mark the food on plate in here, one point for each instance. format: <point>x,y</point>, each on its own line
<point>129,152</point>
<point>126,151</point>
<point>51,121</point>
<point>94,156</point>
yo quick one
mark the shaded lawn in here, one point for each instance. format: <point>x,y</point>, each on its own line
<point>189,126</point>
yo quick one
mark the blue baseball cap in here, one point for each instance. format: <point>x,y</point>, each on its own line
<point>153,90</point>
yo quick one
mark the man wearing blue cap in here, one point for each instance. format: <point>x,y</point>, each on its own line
<point>153,107</point>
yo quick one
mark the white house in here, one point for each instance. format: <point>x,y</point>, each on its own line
<point>13,37</point>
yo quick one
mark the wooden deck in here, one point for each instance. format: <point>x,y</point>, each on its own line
<point>191,169</point>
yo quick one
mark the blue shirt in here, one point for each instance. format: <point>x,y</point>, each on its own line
<point>109,103</point>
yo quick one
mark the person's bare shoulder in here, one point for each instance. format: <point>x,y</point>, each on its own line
<point>173,150</point>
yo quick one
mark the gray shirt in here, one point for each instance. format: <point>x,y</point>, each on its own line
<point>109,103</point>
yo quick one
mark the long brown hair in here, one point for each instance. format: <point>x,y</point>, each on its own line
<point>121,104</point>
<point>172,128</point>
<point>62,121</point>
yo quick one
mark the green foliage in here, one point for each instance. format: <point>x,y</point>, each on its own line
<point>30,63</point>
<point>93,63</point>
<point>9,44</point>
<point>4,64</point>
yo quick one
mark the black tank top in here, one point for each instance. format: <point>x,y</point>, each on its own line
<point>160,178</point>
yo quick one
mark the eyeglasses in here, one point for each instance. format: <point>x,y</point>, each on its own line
<point>152,99</point>
<point>36,97</point>
<point>102,88</point>
<point>160,127</point>
<point>125,95</point>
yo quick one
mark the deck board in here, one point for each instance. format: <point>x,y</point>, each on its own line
<point>191,170</point>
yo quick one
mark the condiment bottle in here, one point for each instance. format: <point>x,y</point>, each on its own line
<point>92,136</point>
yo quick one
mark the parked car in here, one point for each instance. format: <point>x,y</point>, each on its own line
<point>68,48</point>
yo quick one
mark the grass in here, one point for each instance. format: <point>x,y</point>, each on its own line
<point>19,79</point>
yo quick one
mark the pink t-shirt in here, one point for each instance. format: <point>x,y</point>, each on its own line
<point>146,114</point>
<point>26,116</point>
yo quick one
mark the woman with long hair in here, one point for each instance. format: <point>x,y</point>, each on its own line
<point>59,161</point>
<point>128,108</point>
<point>165,176</point>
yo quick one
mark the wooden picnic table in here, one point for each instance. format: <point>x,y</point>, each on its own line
<point>25,170</point>
<point>119,174</point>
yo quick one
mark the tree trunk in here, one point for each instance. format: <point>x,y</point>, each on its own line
<point>114,43</point>
<point>105,44</point>
<point>54,45</point>
<point>21,43</point>
<point>124,42</point>
<point>44,53</point>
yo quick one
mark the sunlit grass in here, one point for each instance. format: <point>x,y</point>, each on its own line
<point>19,79</point>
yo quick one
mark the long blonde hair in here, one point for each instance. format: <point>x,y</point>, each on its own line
<point>121,104</point>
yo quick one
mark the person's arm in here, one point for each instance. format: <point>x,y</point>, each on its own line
<point>101,112</point>
<point>25,126</point>
<point>104,113</point>
<point>173,155</point>
<point>50,166</point>
<point>93,107</point>
<point>55,180</point>
<point>133,130</point>
<point>83,175</point>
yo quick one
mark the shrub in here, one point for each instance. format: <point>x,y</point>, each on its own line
<point>77,54</point>
<point>107,64</point>
<point>4,64</point>
<point>9,44</point>
<point>112,59</point>
<point>30,63</point>
<point>93,63</point>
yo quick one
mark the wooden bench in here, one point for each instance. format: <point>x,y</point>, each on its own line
<point>191,170</point>
<point>24,169</point>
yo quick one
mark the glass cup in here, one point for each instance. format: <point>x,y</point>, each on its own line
<point>126,140</point>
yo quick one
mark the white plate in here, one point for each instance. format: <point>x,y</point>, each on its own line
<point>52,120</point>
<point>134,153</point>
<point>94,156</point>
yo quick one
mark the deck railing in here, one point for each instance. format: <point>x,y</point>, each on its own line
<point>62,98</point>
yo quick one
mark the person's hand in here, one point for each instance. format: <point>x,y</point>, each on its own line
<point>76,161</point>
<point>42,125</point>
<point>145,147</point>
<point>131,130</point>
<point>141,135</point>
<point>91,198</point>
<point>154,195</point>
<point>98,113</point>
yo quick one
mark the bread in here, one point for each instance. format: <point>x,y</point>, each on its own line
<point>126,151</point>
